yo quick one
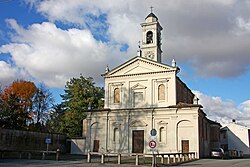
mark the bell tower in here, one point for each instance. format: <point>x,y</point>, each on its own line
<point>151,38</point>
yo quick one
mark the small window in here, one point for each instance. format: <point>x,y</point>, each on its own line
<point>117,95</point>
<point>116,135</point>
<point>161,92</point>
<point>149,37</point>
<point>162,134</point>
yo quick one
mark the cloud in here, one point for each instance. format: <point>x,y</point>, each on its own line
<point>121,23</point>
<point>245,106</point>
<point>204,37</point>
<point>223,111</point>
<point>8,73</point>
<point>201,33</point>
<point>243,26</point>
<point>211,36</point>
<point>54,55</point>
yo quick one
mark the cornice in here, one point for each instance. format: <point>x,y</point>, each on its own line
<point>139,74</point>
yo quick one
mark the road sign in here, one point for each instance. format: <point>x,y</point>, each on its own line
<point>153,132</point>
<point>48,140</point>
<point>152,144</point>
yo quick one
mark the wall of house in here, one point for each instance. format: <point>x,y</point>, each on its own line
<point>238,138</point>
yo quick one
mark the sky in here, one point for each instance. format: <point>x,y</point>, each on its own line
<point>51,41</point>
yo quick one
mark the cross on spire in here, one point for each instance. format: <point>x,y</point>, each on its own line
<point>151,9</point>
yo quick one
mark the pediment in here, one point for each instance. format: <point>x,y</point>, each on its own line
<point>139,65</point>
<point>137,123</point>
<point>138,86</point>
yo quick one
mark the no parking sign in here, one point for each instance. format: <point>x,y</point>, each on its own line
<point>152,144</point>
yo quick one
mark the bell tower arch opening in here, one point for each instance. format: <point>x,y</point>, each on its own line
<point>149,37</point>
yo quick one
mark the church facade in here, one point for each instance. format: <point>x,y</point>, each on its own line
<point>144,94</point>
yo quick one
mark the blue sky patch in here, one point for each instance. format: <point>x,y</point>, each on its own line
<point>124,48</point>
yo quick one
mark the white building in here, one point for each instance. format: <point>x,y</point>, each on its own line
<point>236,137</point>
<point>144,94</point>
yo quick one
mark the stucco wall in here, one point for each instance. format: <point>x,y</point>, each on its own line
<point>147,84</point>
<point>77,146</point>
<point>180,124</point>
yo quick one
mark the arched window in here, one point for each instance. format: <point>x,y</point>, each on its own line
<point>116,135</point>
<point>117,95</point>
<point>149,37</point>
<point>162,134</point>
<point>161,92</point>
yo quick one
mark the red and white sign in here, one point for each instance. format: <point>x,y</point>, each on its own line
<point>152,144</point>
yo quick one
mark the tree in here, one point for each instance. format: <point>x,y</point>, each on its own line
<point>79,94</point>
<point>4,111</point>
<point>17,99</point>
<point>42,103</point>
<point>10,116</point>
<point>56,118</point>
<point>66,122</point>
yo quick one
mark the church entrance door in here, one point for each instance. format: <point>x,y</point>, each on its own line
<point>185,146</point>
<point>137,141</point>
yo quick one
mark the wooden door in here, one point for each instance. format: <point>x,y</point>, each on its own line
<point>185,146</point>
<point>96,146</point>
<point>138,141</point>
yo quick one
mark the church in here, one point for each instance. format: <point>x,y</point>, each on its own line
<point>144,94</point>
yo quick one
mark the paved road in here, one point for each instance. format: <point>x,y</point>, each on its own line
<point>82,163</point>
<point>218,163</point>
<point>51,163</point>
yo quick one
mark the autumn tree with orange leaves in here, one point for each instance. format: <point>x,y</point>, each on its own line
<point>17,99</point>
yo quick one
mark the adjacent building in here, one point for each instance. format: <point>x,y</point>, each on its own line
<point>235,138</point>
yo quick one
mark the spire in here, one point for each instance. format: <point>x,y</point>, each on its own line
<point>151,14</point>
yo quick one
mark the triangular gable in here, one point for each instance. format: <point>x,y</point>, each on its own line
<point>139,65</point>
